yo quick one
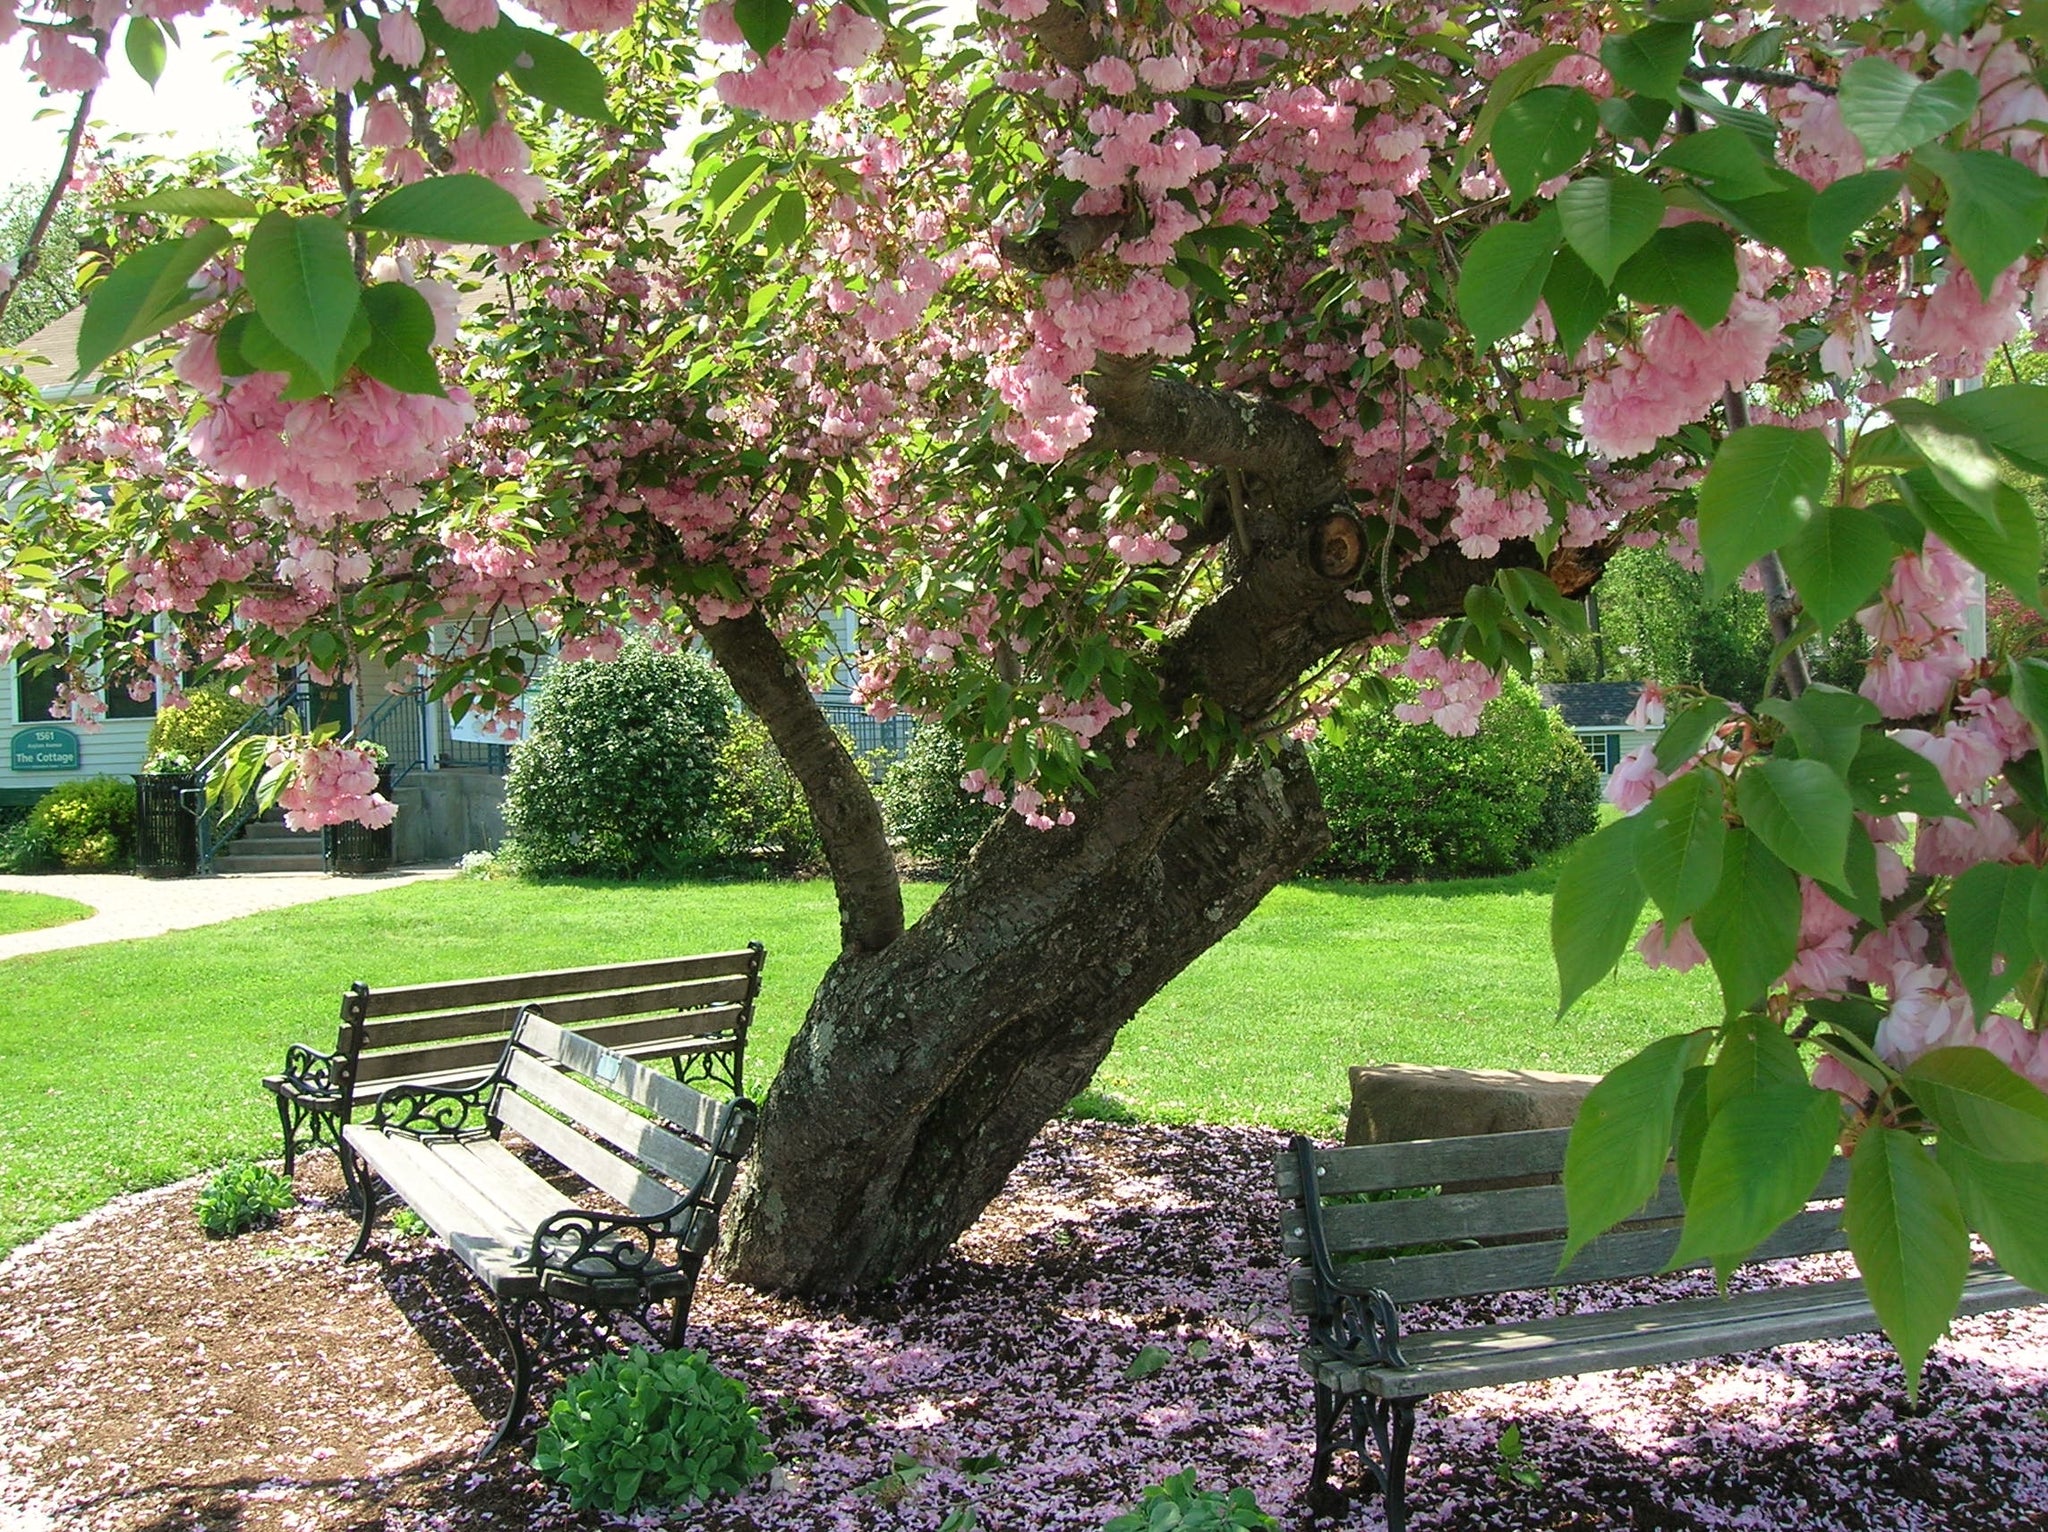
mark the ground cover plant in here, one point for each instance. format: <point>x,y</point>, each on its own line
<point>1337,974</point>
<point>34,912</point>
<point>1145,378</point>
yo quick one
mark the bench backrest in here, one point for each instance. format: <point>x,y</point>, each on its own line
<point>439,1032</point>
<point>1463,1243</point>
<point>575,1101</point>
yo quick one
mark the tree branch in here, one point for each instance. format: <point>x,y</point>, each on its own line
<point>1065,29</point>
<point>1063,243</point>
<point>25,264</point>
<point>1136,411</point>
<point>842,804</point>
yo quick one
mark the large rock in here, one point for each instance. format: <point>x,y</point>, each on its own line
<point>1391,1103</point>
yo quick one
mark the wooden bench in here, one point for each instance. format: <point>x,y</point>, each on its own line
<point>1356,1262</point>
<point>650,1183</point>
<point>692,1011</point>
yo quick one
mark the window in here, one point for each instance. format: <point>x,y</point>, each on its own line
<point>1605,750</point>
<point>35,694</point>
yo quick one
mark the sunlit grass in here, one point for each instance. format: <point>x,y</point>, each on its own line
<point>36,912</point>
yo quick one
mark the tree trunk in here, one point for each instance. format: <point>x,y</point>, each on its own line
<point>924,1071</point>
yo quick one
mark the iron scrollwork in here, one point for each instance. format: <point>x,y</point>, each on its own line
<point>309,1072</point>
<point>428,1112</point>
<point>611,1260</point>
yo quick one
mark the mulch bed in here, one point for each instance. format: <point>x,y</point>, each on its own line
<point>152,1380</point>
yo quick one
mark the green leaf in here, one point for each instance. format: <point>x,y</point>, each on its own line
<point>400,348</point>
<point>302,278</point>
<point>1955,452</point>
<point>463,209</point>
<point>1621,1138</point>
<point>1906,1231</point>
<point>1997,208</point>
<point>1689,1127</point>
<point>2030,694</point>
<point>192,202</point>
<point>1543,134</point>
<point>1887,778</point>
<point>1756,124</point>
<point>1608,218</point>
<point>1780,219</point>
<point>1826,724</point>
<point>2006,1201</point>
<point>1859,892</point>
<point>1686,731</point>
<point>1507,86</point>
<point>1766,481</point>
<point>1799,809</point>
<point>1890,112</point>
<point>1635,119</point>
<point>1148,1361</point>
<point>1846,206</point>
<point>1683,836</point>
<point>2013,417</point>
<point>551,70</point>
<point>1593,914</point>
<point>1503,276</point>
<point>144,45</point>
<point>1988,916</point>
<point>1649,61</point>
<point>787,224</point>
<point>1726,159</point>
<point>2008,549</point>
<point>138,295</point>
<point>476,59</point>
<point>1765,1152</point>
<point>1750,928</point>
<point>1837,562</point>
<point>1577,299</point>
<point>764,23</point>
<point>1691,265</point>
<point>1755,1055</point>
<point>1954,17</point>
<point>1972,1094</point>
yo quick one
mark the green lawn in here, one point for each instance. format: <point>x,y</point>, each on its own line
<point>131,1064</point>
<point>33,912</point>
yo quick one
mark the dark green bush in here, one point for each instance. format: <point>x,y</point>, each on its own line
<point>641,1430</point>
<point>24,848</point>
<point>206,716</point>
<point>1409,801</point>
<point>761,810</point>
<point>241,1196</point>
<point>88,824</point>
<point>922,800</point>
<point>619,767</point>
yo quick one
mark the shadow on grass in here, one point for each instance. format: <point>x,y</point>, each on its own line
<point>1540,879</point>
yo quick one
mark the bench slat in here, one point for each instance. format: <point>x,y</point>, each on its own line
<point>1431,1162</point>
<point>565,1009</point>
<point>483,1205</point>
<point>1516,1268</point>
<point>625,1131</point>
<point>1504,1215</point>
<point>691,1111</point>
<point>457,993</point>
<point>475,1060</point>
<point>693,1028</point>
<point>639,1194</point>
<point>1652,1334</point>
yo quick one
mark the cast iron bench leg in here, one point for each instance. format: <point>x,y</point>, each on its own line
<point>511,1315</point>
<point>287,1120</point>
<point>1382,1431</point>
<point>366,1201</point>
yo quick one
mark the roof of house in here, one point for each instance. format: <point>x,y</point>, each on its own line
<point>1592,704</point>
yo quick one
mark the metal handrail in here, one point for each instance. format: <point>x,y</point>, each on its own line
<point>377,729</point>
<point>216,831</point>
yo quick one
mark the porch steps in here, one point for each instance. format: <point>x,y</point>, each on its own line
<point>265,845</point>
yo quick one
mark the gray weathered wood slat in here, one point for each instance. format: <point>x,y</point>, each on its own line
<point>1362,1227</point>
<point>690,1029</point>
<point>1682,1330</point>
<point>658,1047</point>
<point>462,993</point>
<point>626,1131</point>
<point>1518,1268</point>
<point>638,1193</point>
<point>676,1104</point>
<point>462,1193</point>
<point>1432,1162</point>
<point>567,1009</point>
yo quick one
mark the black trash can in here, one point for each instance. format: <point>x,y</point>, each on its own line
<point>166,826</point>
<point>354,849</point>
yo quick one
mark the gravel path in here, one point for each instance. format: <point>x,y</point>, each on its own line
<point>127,907</point>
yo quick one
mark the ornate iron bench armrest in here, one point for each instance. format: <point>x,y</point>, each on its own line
<point>1353,1320</point>
<point>433,1111</point>
<point>309,1072</point>
<point>607,1256</point>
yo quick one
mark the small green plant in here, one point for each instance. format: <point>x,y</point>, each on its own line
<point>88,823</point>
<point>242,1196</point>
<point>1177,1506</point>
<point>1510,1462</point>
<point>409,1224</point>
<point>167,763</point>
<point>24,847</point>
<point>204,717</point>
<point>641,1430</point>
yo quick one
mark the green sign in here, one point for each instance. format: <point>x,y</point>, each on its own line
<point>46,748</point>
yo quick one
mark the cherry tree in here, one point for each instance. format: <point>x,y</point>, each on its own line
<point>1149,377</point>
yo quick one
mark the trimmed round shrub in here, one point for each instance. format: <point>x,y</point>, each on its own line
<point>193,728</point>
<point>923,802</point>
<point>1409,801</point>
<point>651,1430</point>
<point>619,768</point>
<point>87,824</point>
<point>761,810</point>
